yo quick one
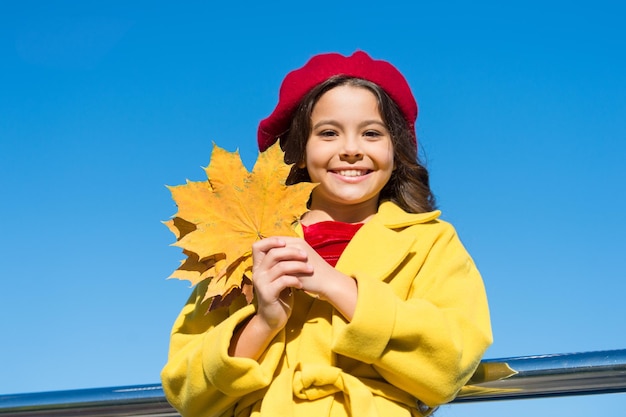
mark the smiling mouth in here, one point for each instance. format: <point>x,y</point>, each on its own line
<point>352,172</point>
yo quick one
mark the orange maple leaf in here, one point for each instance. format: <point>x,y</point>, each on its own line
<point>218,220</point>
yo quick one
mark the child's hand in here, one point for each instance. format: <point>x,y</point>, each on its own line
<point>276,268</point>
<point>323,280</point>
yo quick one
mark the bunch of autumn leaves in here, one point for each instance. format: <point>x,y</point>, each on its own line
<point>219,219</point>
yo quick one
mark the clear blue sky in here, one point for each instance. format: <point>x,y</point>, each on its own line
<point>522,121</point>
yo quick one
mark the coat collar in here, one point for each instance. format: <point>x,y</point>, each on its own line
<point>394,217</point>
<point>378,248</point>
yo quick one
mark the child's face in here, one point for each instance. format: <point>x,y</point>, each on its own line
<point>349,151</point>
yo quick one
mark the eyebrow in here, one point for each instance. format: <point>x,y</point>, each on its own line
<point>333,122</point>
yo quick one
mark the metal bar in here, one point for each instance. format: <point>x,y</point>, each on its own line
<point>139,400</point>
<point>547,376</point>
<point>495,379</point>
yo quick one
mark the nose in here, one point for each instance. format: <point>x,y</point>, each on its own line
<point>351,150</point>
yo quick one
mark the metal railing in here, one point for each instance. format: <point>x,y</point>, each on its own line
<point>495,379</point>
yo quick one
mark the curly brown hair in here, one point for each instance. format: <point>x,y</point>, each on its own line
<point>408,186</point>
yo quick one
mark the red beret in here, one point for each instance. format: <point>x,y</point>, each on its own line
<point>320,68</point>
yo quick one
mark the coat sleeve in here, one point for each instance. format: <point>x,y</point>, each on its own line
<point>430,344</point>
<point>200,379</point>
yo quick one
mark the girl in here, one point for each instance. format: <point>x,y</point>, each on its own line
<point>377,310</point>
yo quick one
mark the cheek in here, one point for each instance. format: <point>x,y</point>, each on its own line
<point>383,151</point>
<point>386,158</point>
<point>317,155</point>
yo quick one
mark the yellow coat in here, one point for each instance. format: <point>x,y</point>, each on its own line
<point>420,328</point>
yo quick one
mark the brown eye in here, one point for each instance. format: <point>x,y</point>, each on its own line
<point>328,133</point>
<point>372,134</point>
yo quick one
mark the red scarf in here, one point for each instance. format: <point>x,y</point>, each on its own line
<point>330,238</point>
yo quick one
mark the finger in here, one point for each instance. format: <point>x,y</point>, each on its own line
<point>287,253</point>
<point>270,292</point>
<point>294,241</point>
<point>295,268</point>
<point>264,245</point>
<point>263,276</point>
<point>276,256</point>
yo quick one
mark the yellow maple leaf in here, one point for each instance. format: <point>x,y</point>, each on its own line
<point>218,220</point>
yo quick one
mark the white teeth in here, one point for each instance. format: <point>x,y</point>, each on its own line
<point>351,173</point>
